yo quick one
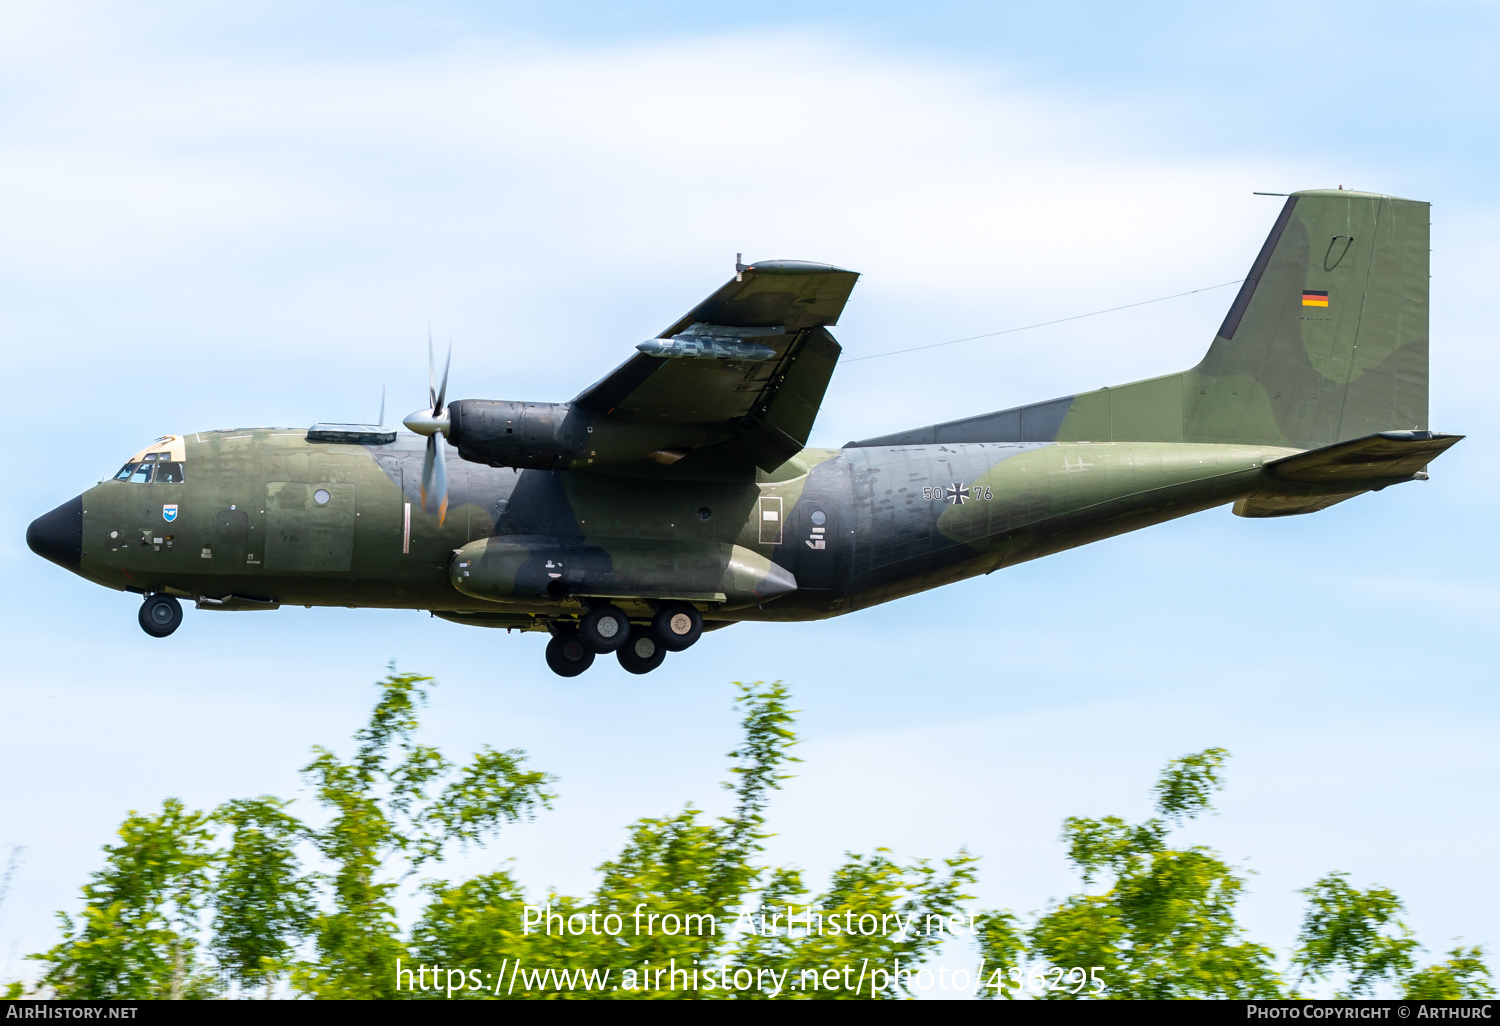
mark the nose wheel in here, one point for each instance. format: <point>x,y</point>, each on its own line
<point>160,615</point>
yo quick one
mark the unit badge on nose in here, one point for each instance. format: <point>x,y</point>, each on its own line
<point>169,512</point>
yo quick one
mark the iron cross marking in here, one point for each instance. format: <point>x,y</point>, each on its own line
<point>958,494</point>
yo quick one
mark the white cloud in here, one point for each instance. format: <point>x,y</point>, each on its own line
<point>543,200</point>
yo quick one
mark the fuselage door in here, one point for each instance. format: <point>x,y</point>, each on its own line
<point>232,541</point>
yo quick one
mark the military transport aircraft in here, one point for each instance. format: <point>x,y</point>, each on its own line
<point>676,495</point>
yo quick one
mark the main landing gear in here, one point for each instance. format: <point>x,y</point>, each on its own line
<point>640,648</point>
<point>160,615</point>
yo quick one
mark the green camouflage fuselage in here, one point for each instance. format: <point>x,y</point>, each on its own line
<point>855,526</point>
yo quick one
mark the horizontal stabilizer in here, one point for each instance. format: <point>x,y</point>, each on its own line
<point>1387,456</point>
<point>1319,478</point>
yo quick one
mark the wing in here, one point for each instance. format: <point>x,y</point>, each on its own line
<point>767,403</point>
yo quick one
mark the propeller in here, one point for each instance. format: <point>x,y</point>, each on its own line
<point>434,424</point>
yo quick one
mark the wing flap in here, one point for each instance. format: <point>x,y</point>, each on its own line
<point>778,429</point>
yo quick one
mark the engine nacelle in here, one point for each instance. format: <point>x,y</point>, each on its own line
<point>555,436</point>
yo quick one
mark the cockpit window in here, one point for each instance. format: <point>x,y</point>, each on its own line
<point>165,472</point>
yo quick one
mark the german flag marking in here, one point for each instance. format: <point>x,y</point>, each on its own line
<point>1312,297</point>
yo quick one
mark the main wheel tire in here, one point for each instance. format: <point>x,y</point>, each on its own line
<point>567,655</point>
<point>604,628</point>
<point>160,615</point>
<point>677,626</point>
<point>642,653</point>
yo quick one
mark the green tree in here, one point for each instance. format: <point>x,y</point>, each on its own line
<point>1464,976</point>
<point>1356,939</point>
<point>395,806</point>
<point>1354,934</point>
<point>138,934</point>
<point>891,916</point>
<point>680,870</point>
<point>678,866</point>
<point>690,898</point>
<point>262,901</point>
<point>1166,926</point>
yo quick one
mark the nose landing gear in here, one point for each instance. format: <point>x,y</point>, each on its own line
<point>160,615</point>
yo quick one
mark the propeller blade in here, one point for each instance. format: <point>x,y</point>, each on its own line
<point>429,467</point>
<point>433,423</point>
<point>442,393</point>
<point>440,478</point>
<point>434,419</point>
<point>435,476</point>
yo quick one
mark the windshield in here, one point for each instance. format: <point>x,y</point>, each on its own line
<point>161,471</point>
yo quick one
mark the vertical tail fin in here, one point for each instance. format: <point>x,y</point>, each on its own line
<point>1327,339</point>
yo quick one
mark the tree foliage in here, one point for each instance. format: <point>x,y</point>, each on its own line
<point>188,903</point>
<point>262,902</point>
<point>697,872</point>
<point>1166,927</point>
<point>396,801</point>
<point>137,936</point>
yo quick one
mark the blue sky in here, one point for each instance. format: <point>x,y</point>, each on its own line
<point>217,216</point>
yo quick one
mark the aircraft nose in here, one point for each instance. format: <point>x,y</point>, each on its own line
<point>58,535</point>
